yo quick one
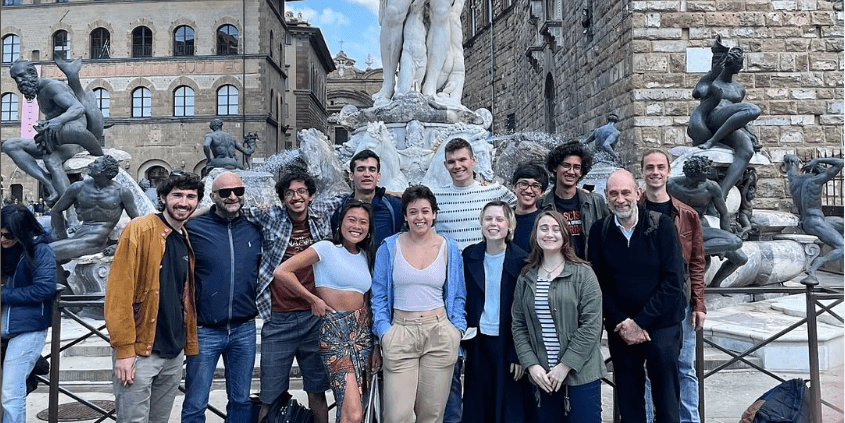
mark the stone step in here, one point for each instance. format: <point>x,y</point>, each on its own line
<point>740,327</point>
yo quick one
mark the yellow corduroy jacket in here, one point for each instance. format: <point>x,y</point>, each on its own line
<point>131,303</point>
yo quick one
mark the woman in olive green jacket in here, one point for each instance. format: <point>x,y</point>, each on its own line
<point>557,325</point>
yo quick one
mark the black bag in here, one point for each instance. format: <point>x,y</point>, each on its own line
<point>285,409</point>
<point>787,402</point>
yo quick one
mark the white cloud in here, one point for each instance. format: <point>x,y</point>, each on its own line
<point>332,17</point>
<point>371,5</point>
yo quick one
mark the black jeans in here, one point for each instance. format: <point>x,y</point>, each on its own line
<point>660,356</point>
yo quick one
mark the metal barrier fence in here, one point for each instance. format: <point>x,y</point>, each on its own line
<point>814,296</point>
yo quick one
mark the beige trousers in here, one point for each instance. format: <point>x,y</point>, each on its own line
<point>419,357</point>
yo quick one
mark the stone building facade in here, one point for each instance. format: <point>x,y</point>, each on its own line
<point>561,66</point>
<point>349,85</point>
<point>161,73</point>
<point>309,61</point>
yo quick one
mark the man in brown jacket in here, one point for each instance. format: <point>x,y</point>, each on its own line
<point>149,305</point>
<point>655,164</point>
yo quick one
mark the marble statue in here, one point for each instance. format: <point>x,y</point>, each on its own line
<point>722,116</point>
<point>219,147</point>
<point>452,76</point>
<point>72,123</point>
<point>401,40</point>
<point>700,193</point>
<point>605,136</point>
<point>415,158</point>
<point>805,184</point>
<point>99,202</point>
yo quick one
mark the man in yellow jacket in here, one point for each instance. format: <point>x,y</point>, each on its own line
<point>149,306</point>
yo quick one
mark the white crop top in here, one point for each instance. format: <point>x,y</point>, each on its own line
<point>339,269</point>
<point>415,289</point>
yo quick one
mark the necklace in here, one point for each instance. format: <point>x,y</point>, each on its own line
<point>549,272</point>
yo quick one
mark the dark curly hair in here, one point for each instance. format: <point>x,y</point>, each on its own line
<point>571,148</point>
<point>697,165</point>
<point>296,175</point>
<point>531,171</point>
<point>110,166</point>
<point>179,179</point>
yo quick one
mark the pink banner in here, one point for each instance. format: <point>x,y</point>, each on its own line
<point>29,113</point>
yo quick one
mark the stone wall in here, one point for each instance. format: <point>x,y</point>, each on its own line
<point>632,60</point>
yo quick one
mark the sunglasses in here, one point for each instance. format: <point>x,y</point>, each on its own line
<point>7,235</point>
<point>226,192</point>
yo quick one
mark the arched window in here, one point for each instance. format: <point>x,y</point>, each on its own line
<point>271,44</point>
<point>183,101</point>
<point>142,42</point>
<point>183,41</point>
<point>8,107</point>
<point>141,102</point>
<point>102,97</point>
<point>550,104</point>
<point>61,45</point>
<point>227,100</point>
<point>227,40</point>
<point>100,43</point>
<point>11,48</point>
<point>156,175</point>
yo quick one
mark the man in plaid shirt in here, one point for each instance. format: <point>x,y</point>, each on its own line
<point>290,330</point>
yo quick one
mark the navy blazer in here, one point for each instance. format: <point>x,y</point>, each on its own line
<point>474,277</point>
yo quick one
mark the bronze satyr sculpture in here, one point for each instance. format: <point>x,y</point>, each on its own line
<point>805,184</point>
<point>73,120</point>
<point>699,193</point>
<point>99,203</point>
<point>722,116</point>
<point>219,147</point>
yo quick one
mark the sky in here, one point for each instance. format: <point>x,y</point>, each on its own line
<point>348,25</point>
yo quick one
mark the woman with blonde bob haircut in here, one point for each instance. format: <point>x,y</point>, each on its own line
<point>557,325</point>
<point>495,388</point>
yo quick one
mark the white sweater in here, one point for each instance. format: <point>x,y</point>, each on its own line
<point>458,217</point>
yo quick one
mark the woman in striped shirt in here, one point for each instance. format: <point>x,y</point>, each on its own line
<point>557,325</point>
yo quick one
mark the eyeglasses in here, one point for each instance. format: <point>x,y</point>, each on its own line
<point>523,185</point>
<point>568,166</point>
<point>7,235</point>
<point>226,192</point>
<point>302,191</point>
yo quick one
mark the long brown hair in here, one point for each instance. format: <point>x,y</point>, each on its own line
<point>536,257</point>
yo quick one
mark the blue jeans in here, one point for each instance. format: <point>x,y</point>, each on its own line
<point>237,345</point>
<point>688,379</point>
<point>21,354</point>
<point>454,405</point>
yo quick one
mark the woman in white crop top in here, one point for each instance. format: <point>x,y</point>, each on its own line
<point>342,276</point>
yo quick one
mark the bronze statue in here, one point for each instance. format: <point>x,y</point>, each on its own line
<point>747,191</point>
<point>605,136</point>
<point>805,184</point>
<point>99,203</point>
<point>73,122</point>
<point>219,147</point>
<point>722,116</point>
<point>699,193</point>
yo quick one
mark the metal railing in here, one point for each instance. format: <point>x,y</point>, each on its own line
<point>62,306</point>
<point>814,295</point>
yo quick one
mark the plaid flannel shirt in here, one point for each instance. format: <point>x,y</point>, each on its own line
<point>276,228</point>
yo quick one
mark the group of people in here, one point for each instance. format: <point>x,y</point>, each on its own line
<point>508,288</point>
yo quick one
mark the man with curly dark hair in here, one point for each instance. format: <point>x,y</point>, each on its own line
<point>99,203</point>
<point>569,163</point>
<point>153,262</point>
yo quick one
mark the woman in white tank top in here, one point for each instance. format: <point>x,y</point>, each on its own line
<point>342,276</point>
<point>418,311</point>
